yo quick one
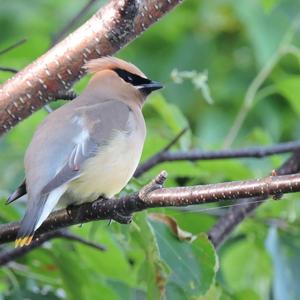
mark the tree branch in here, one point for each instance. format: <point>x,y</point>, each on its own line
<point>194,155</point>
<point>12,254</point>
<point>110,29</point>
<point>76,238</point>
<point>235,215</point>
<point>155,196</point>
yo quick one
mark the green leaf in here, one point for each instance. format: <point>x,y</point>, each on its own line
<point>172,116</point>
<point>240,273</point>
<point>269,4</point>
<point>265,38</point>
<point>290,89</point>
<point>126,292</point>
<point>81,282</point>
<point>247,294</point>
<point>112,263</point>
<point>192,265</point>
<point>214,293</point>
<point>152,272</point>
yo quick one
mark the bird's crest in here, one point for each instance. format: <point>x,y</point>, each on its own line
<point>111,63</point>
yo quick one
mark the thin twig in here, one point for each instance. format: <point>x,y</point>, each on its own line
<point>73,237</point>
<point>174,140</point>
<point>12,254</point>
<point>8,69</point>
<point>194,155</point>
<point>68,95</point>
<point>13,46</point>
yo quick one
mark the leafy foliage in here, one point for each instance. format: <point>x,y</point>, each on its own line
<point>234,41</point>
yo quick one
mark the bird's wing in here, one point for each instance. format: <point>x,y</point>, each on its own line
<point>98,125</point>
<point>88,128</point>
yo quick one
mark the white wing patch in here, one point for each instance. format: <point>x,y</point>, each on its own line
<point>79,150</point>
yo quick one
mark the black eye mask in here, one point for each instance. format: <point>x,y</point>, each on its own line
<point>132,78</point>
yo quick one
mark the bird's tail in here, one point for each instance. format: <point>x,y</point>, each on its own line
<point>37,212</point>
<point>29,222</point>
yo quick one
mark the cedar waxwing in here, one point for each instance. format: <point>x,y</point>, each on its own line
<point>89,147</point>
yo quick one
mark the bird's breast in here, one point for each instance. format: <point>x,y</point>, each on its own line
<point>111,168</point>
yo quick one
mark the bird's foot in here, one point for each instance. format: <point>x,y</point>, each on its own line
<point>102,197</point>
<point>69,209</point>
<point>121,218</point>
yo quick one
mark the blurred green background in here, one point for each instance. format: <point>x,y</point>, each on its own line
<point>244,56</point>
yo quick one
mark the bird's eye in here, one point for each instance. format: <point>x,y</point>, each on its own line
<point>129,78</point>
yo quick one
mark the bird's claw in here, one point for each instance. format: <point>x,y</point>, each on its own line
<point>69,209</point>
<point>121,218</point>
<point>99,200</point>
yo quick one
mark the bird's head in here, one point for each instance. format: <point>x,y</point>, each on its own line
<point>126,73</point>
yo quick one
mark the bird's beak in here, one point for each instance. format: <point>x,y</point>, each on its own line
<point>150,87</point>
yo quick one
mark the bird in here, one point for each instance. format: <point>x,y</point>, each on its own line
<point>87,148</point>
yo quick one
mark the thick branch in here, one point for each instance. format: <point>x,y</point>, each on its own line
<point>110,29</point>
<point>194,155</point>
<point>161,197</point>
<point>235,215</point>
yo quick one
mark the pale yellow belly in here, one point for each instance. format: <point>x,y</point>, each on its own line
<point>110,170</point>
